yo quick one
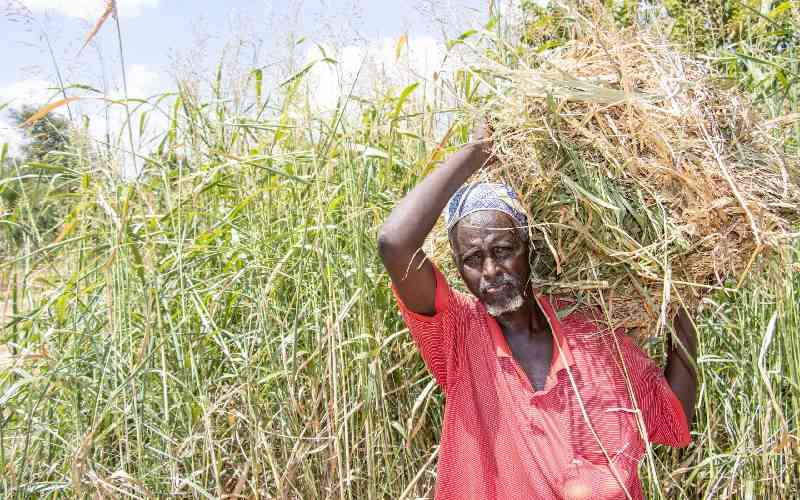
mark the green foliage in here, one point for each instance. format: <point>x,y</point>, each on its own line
<point>755,43</point>
<point>543,27</point>
<point>223,325</point>
<point>704,25</point>
<point>35,188</point>
<point>48,139</point>
<point>707,25</point>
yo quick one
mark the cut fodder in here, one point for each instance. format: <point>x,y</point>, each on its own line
<point>648,182</point>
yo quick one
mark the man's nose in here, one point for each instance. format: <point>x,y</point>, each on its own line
<point>489,268</point>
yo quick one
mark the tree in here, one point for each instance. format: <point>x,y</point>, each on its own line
<point>49,138</point>
<point>34,185</point>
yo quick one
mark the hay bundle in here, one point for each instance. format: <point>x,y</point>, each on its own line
<point>647,182</point>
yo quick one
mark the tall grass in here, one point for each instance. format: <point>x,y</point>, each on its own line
<point>223,326</point>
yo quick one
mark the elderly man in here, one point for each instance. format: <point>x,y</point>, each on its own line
<point>537,405</point>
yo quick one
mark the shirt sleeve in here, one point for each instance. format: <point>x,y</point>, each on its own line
<point>435,336</point>
<point>662,411</point>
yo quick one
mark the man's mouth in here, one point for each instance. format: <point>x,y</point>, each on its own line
<point>502,296</point>
<point>496,288</point>
<point>502,285</point>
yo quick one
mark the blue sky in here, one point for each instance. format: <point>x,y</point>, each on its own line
<point>155,30</point>
<point>165,38</point>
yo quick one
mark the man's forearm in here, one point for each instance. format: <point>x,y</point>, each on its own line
<point>402,235</point>
<point>415,215</point>
<point>680,370</point>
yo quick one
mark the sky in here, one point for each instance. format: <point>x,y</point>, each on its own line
<point>165,39</point>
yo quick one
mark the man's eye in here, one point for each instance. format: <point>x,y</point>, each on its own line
<point>472,260</point>
<point>502,251</point>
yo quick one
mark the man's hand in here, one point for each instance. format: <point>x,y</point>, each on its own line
<point>481,137</point>
<point>401,237</point>
<point>482,134</point>
<point>681,361</point>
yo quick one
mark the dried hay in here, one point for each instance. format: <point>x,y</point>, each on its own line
<point>646,180</point>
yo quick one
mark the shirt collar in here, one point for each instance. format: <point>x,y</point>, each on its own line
<point>562,356</point>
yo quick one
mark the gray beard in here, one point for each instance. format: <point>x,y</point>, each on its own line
<point>507,305</point>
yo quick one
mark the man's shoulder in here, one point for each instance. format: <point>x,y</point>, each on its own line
<point>464,304</point>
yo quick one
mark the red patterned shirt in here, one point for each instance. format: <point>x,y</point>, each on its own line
<point>579,437</point>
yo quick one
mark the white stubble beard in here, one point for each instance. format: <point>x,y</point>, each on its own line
<point>507,305</point>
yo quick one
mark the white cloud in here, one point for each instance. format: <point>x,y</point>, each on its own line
<point>31,92</point>
<point>11,135</point>
<point>109,120</point>
<point>89,9</point>
<point>376,66</point>
<point>103,116</point>
<point>143,81</point>
<point>326,80</point>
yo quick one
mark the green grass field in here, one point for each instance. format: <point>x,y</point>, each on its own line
<point>222,325</point>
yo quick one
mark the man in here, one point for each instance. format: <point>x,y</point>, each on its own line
<point>536,406</point>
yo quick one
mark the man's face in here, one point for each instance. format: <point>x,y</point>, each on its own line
<point>492,260</point>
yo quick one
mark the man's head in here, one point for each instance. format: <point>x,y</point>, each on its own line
<point>489,238</point>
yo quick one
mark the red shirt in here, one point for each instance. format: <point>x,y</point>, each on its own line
<point>501,440</point>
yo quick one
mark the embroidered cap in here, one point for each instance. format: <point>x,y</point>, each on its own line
<point>479,196</point>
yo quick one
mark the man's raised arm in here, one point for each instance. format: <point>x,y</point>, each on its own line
<point>401,236</point>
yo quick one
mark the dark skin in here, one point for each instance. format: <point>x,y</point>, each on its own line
<point>487,248</point>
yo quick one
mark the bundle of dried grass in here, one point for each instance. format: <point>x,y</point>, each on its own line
<point>648,182</point>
